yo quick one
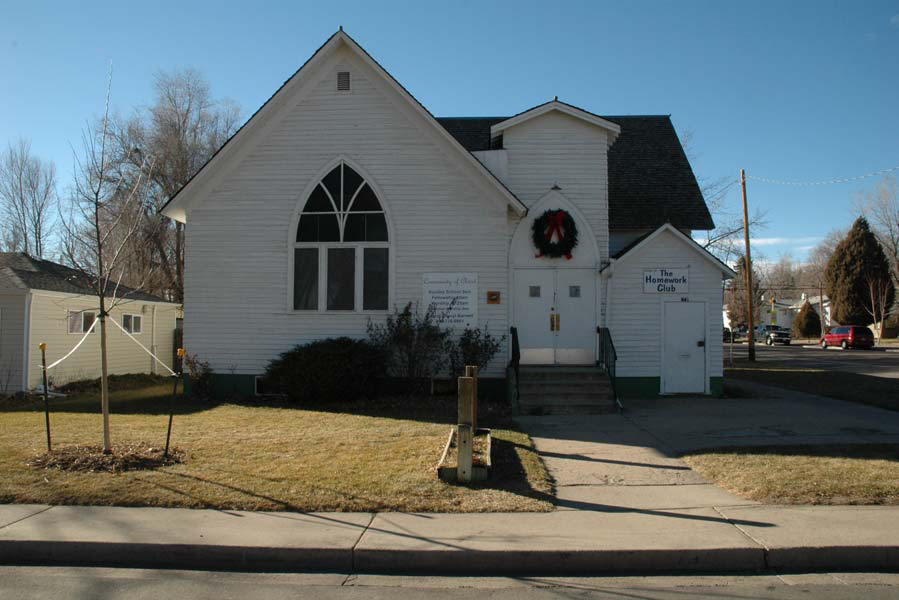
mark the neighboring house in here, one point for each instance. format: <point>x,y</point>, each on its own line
<point>815,301</point>
<point>42,301</point>
<point>343,197</point>
<point>780,313</point>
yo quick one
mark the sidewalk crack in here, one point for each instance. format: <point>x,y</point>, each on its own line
<point>746,534</point>
<point>26,517</point>
<point>353,549</point>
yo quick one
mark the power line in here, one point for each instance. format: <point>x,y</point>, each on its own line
<point>823,182</point>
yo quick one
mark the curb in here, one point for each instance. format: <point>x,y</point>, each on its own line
<point>449,562</point>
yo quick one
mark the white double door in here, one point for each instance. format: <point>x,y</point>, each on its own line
<point>555,313</point>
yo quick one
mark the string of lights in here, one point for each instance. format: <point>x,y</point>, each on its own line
<point>824,182</point>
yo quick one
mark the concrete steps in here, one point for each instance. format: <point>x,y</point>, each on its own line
<point>551,390</point>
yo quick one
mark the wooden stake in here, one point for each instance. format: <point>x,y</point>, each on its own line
<point>464,431</point>
<point>43,348</point>
<point>466,389</point>
<point>472,371</point>
<point>748,270</point>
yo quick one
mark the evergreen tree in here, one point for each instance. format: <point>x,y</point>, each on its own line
<point>807,323</point>
<point>736,296</point>
<point>857,278</point>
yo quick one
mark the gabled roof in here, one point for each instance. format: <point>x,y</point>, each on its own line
<point>554,105</point>
<point>20,271</point>
<point>650,179</point>
<point>625,253</point>
<point>175,207</point>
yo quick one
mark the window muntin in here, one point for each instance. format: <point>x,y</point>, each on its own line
<point>341,251</point>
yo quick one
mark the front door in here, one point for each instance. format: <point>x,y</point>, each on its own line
<point>683,348</point>
<point>555,313</point>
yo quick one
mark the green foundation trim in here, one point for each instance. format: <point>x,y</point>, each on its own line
<point>637,387</point>
<point>716,386</point>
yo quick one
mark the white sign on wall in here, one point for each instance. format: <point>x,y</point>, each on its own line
<point>454,296</point>
<point>666,281</point>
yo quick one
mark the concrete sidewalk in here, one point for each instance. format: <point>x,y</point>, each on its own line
<point>625,502</point>
<point>611,538</point>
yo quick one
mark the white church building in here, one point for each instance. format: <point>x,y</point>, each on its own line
<point>343,197</point>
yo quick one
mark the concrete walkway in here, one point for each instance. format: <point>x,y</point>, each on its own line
<point>625,503</point>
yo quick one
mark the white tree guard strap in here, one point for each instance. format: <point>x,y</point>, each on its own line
<point>153,356</point>
<point>72,351</point>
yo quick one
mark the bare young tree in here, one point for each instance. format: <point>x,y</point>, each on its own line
<point>104,217</point>
<point>28,197</point>
<point>178,133</point>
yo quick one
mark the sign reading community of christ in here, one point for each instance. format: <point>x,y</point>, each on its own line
<point>666,281</point>
<point>454,296</point>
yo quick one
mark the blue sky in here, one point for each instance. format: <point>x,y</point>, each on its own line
<point>787,90</point>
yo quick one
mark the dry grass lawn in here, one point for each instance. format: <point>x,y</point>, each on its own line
<point>853,474</point>
<point>252,457</point>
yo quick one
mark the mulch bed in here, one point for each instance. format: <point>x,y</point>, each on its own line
<point>91,459</point>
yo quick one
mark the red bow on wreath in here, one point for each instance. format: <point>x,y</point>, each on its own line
<point>554,221</point>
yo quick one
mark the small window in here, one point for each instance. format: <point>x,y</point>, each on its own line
<point>375,278</point>
<point>341,279</point>
<point>343,81</point>
<point>305,278</point>
<point>574,291</point>
<point>132,323</point>
<point>534,291</point>
<point>80,321</point>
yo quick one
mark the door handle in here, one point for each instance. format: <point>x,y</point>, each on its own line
<point>552,322</point>
<point>558,322</point>
<point>700,344</point>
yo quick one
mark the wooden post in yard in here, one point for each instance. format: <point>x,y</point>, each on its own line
<point>43,348</point>
<point>748,266</point>
<point>464,432</point>
<point>472,371</point>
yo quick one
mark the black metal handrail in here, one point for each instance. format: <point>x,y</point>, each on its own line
<point>515,364</point>
<point>607,358</point>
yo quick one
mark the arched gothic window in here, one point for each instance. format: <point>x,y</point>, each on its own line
<point>341,251</point>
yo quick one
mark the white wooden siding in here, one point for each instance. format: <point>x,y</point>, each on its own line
<point>12,342</point>
<point>555,148</point>
<point>49,324</point>
<point>635,317</point>
<point>237,302</point>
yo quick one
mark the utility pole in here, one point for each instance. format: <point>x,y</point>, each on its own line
<point>748,269</point>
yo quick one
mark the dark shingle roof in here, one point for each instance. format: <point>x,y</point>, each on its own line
<point>650,179</point>
<point>19,270</point>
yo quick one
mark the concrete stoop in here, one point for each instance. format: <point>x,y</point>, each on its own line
<point>554,390</point>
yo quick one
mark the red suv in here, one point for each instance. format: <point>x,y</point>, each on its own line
<point>849,336</point>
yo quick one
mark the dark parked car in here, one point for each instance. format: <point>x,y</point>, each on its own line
<point>849,336</point>
<point>727,335</point>
<point>772,334</point>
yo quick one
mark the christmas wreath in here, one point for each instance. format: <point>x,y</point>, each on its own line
<point>554,234</point>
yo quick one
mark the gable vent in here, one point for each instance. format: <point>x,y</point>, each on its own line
<point>343,81</point>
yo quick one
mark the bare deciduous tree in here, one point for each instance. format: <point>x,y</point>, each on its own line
<point>28,196</point>
<point>182,129</point>
<point>726,240</point>
<point>105,216</point>
<point>881,207</point>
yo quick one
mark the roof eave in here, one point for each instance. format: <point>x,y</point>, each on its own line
<point>556,105</point>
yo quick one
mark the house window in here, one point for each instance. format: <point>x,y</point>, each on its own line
<point>81,320</point>
<point>132,323</point>
<point>341,254</point>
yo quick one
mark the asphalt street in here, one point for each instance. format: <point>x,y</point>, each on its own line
<point>865,362</point>
<point>61,583</point>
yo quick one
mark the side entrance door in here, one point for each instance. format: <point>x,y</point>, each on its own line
<point>555,312</point>
<point>683,348</point>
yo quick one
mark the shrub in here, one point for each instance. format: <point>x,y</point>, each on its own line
<point>414,345</point>
<point>475,346</point>
<point>330,370</point>
<point>200,374</point>
<point>807,323</point>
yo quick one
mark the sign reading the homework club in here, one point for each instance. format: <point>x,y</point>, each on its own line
<point>666,281</point>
